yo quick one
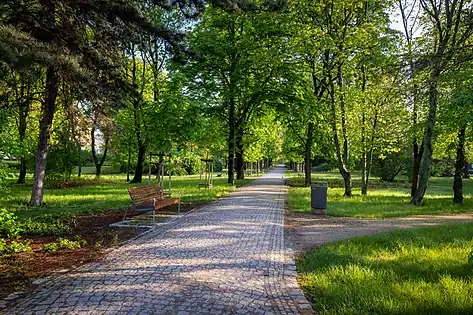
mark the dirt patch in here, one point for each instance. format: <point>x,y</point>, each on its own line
<point>307,231</point>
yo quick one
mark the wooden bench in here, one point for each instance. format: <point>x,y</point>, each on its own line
<point>150,198</point>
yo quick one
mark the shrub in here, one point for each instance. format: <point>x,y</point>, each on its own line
<point>4,174</point>
<point>9,224</point>
<point>46,225</point>
<point>442,168</point>
<point>50,247</point>
<point>14,247</point>
<point>325,167</point>
<point>388,167</point>
<point>71,244</point>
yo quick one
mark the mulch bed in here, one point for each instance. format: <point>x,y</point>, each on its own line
<point>18,271</point>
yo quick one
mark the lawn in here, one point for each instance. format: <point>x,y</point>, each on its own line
<point>107,194</point>
<point>419,271</point>
<point>383,200</point>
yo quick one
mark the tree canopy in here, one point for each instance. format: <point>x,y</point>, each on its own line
<point>377,87</point>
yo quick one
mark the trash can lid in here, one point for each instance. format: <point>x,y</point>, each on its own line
<point>319,184</point>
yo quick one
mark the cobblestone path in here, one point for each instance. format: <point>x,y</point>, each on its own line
<point>226,258</point>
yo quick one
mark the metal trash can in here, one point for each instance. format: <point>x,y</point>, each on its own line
<point>318,197</point>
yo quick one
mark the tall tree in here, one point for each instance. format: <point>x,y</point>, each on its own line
<point>451,27</point>
<point>36,33</point>
<point>236,71</point>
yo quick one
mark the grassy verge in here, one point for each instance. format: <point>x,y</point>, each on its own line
<point>421,271</point>
<point>106,194</point>
<point>383,200</point>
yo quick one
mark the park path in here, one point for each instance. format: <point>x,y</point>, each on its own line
<point>228,257</point>
<point>306,231</point>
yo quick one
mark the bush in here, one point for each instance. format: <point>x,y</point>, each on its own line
<point>191,163</point>
<point>71,244</point>
<point>325,167</point>
<point>46,225</point>
<point>50,247</point>
<point>4,174</point>
<point>442,168</point>
<point>9,226</point>
<point>14,247</point>
<point>388,167</point>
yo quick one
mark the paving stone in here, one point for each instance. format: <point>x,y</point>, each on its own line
<point>228,257</point>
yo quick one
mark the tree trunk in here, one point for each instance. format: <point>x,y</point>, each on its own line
<point>23,109</point>
<point>128,167</point>
<point>22,133</point>
<point>466,169</point>
<point>98,164</point>
<point>364,181</point>
<point>239,156</point>
<point>231,141</point>
<point>45,129</point>
<point>308,151</point>
<point>417,157</point>
<point>98,170</point>
<point>459,166</point>
<point>424,173</point>
<point>364,177</point>
<point>139,164</point>
<point>341,161</point>
<point>22,175</point>
<point>369,154</point>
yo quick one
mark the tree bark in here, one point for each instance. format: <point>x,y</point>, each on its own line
<point>424,173</point>
<point>45,129</point>
<point>364,181</point>
<point>240,155</point>
<point>417,157</point>
<point>128,167</point>
<point>139,164</point>
<point>459,166</point>
<point>231,141</point>
<point>364,175</point>
<point>22,133</point>
<point>341,159</point>
<point>23,109</point>
<point>98,163</point>
<point>307,157</point>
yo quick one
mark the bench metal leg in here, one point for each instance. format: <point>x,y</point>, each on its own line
<point>179,205</point>
<point>124,216</point>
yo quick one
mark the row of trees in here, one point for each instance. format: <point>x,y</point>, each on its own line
<point>249,80</point>
<point>380,89</point>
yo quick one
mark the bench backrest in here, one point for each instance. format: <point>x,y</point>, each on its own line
<point>143,195</point>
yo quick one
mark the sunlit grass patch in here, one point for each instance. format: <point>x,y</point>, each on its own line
<point>106,194</point>
<point>382,201</point>
<point>419,271</point>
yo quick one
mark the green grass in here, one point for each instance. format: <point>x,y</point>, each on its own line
<point>419,271</point>
<point>108,193</point>
<point>383,200</point>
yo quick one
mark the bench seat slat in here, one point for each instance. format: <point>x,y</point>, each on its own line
<point>150,198</point>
